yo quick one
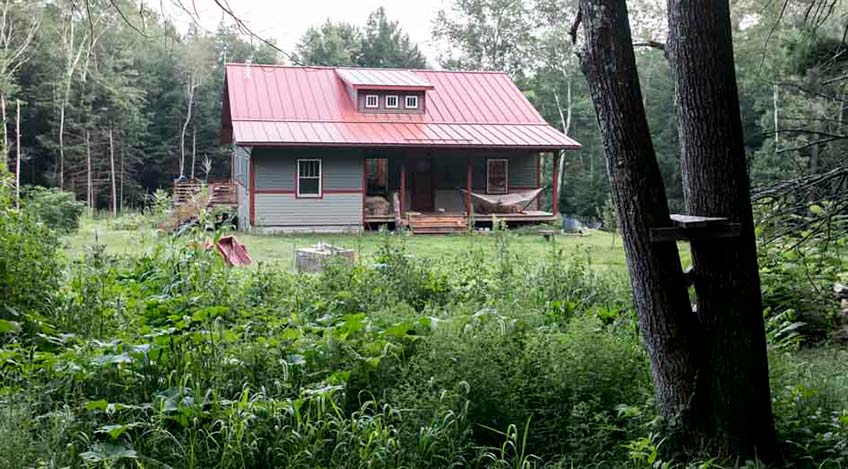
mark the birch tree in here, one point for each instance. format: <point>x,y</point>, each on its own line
<point>18,28</point>
<point>74,49</point>
<point>197,65</point>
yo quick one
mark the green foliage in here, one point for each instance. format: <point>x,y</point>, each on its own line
<point>170,356</point>
<point>811,406</point>
<point>798,271</point>
<point>57,209</point>
<point>486,35</point>
<point>382,43</point>
<point>478,360</point>
<point>29,277</point>
<point>567,384</point>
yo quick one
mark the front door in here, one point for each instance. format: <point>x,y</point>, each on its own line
<point>422,185</point>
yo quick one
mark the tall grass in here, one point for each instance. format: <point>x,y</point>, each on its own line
<point>167,358</point>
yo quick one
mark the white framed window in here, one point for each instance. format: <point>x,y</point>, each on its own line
<point>309,178</point>
<point>497,176</point>
<point>412,102</point>
<point>392,102</point>
<point>372,101</point>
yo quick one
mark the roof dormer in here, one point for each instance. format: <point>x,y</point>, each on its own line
<point>385,91</point>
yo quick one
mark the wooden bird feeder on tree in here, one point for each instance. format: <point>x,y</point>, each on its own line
<point>690,227</point>
<point>694,228</point>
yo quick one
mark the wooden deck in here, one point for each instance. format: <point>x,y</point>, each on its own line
<point>221,192</point>
<point>439,223</point>
<point>456,222</point>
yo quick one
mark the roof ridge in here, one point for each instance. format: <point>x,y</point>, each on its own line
<point>314,121</point>
<point>327,67</point>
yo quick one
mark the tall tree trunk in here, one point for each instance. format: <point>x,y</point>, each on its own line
<point>5,142</point>
<point>659,288</point>
<point>18,154</point>
<point>121,195</point>
<point>89,192</point>
<point>734,379</point>
<point>190,86</point>
<point>112,172</point>
<point>193,149</point>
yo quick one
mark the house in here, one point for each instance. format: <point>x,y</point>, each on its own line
<point>338,149</point>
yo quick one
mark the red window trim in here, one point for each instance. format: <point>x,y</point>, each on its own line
<point>320,194</point>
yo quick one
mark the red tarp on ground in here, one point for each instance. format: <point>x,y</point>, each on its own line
<point>234,253</point>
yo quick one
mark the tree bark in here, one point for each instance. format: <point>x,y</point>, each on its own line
<point>18,154</point>
<point>734,378</point>
<point>190,86</point>
<point>659,288</point>
<point>121,195</point>
<point>5,142</point>
<point>89,191</point>
<point>193,150</point>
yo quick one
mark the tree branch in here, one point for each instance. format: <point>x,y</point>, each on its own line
<point>573,31</point>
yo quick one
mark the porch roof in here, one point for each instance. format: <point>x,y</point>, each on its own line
<point>313,106</point>
<point>374,134</point>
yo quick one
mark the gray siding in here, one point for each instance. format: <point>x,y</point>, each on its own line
<point>341,210</point>
<point>243,207</point>
<point>522,171</point>
<point>450,170</point>
<point>275,169</point>
<point>241,165</point>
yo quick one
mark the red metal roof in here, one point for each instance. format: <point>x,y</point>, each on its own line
<point>281,105</point>
<point>382,78</point>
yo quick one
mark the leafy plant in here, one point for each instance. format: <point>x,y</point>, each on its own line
<point>58,210</point>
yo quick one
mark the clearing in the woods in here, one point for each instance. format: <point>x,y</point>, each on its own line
<point>599,248</point>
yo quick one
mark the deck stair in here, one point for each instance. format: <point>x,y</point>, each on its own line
<point>437,223</point>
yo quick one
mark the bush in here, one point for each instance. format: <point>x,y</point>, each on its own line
<point>798,275</point>
<point>568,384</point>
<point>29,271</point>
<point>59,210</point>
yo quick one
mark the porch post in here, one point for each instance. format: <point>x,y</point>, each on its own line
<point>403,188</point>
<point>555,166</point>
<point>468,207</point>
<point>364,190</point>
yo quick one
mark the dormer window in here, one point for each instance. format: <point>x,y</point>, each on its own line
<point>372,101</point>
<point>391,102</point>
<point>412,102</point>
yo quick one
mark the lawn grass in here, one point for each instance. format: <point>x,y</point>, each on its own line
<point>599,248</point>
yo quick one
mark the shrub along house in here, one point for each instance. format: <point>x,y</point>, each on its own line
<point>337,149</point>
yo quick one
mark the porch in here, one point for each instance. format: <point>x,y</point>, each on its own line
<point>441,192</point>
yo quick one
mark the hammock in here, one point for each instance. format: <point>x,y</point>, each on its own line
<point>515,202</point>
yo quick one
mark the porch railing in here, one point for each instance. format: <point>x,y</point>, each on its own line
<point>221,191</point>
